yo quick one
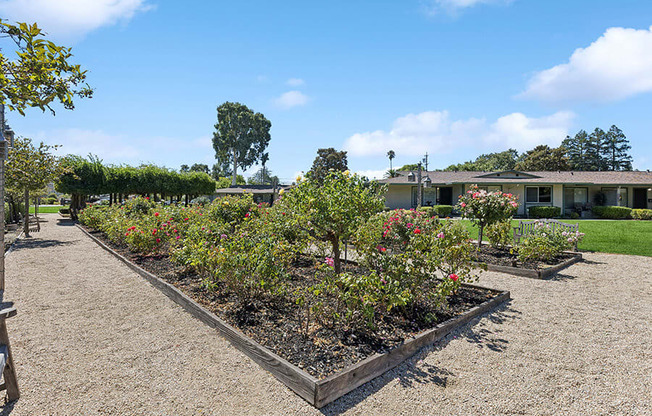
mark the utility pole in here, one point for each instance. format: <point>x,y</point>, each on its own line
<point>419,198</point>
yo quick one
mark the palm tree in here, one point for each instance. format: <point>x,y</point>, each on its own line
<point>391,155</point>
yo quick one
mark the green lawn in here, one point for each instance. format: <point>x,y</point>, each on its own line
<point>45,209</point>
<point>607,236</point>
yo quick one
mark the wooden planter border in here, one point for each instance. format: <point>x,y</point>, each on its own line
<point>316,392</point>
<point>536,274</point>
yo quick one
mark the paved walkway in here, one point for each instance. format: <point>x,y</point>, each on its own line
<point>91,337</point>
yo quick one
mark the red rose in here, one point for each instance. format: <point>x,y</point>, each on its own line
<point>156,214</point>
<point>417,231</point>
<point>453,277</point>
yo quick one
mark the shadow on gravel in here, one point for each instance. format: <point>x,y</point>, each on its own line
<point>65,222</point>
<point>28,243</point>
<point>414,371</point>
<point>561,277</point>
<point>6,408</point>
<point>591,261</point>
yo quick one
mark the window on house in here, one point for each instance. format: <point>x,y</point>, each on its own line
<point>538,194</point>
<point>614,197</point>
<point>491,188</point>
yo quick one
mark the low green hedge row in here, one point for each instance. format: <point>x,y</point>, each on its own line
<point>611,212</point>
<point>438,210</point>
<point>544,212</point>
<point>642,214</point>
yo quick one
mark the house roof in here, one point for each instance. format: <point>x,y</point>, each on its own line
<point>252,189</point>
<point>642,178</point>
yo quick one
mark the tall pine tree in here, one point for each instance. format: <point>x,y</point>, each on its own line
<point>616,150</point>
<point>595,150</point>
<point>576,148</point>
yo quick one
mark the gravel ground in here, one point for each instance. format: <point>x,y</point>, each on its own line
<point>91,337</point>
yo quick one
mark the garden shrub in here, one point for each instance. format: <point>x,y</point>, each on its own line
<point>331,210</point>
<point>411,257</point>
<point>544,212</point>
<point>64,211</point>
<point>500,234</point>
<point>428,211</point>
<point>544,244</point>
<point>93,217</point>
<point>574,215</point>
<point>484,208</point>
<point>443,210</point>
<point>642,214</point>
<point>252,263</point>
<point>612,212</point>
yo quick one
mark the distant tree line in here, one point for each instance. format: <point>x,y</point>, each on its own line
<point>598,151</point>
<point>84,177</point>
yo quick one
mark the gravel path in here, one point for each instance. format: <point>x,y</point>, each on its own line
<point>91,337</point>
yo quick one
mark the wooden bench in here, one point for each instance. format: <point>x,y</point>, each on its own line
<point>10,383</point>
<point>526,227</point>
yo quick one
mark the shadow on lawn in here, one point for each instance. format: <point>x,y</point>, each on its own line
<point>415,371</point>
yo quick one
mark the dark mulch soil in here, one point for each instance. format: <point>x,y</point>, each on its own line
<point>276,324</point>
<point>502,257</point>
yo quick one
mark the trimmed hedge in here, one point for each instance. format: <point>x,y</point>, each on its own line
<point>544,212</point>
<point>438,210</point>
<point>642,214</point>
<point>611,212</point>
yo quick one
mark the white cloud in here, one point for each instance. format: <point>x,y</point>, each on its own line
<point>291,99</point>
<point>119,148</point>
<point>295,82</point>
<point>616,66</point>
<point>454,6</point>
<point>71,18</point>
<point>434,131</point>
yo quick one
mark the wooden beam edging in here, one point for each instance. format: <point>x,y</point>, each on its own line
<point>535,274</point>
<point>316,392</point>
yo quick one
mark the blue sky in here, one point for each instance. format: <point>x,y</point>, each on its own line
<point>454,78</point>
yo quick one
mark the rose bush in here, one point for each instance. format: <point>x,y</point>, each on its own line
<point>485,208</point>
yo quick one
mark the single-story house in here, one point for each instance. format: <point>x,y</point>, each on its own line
<point>571,191</point>
<point>261,193</point>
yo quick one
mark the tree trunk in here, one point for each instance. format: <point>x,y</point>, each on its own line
<point>26,216</point>
<point>480,233</point>
<point>235,168</point>
<point>337,264</point>
<point>187,199</point>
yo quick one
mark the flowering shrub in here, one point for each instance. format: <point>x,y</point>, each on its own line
<point>545,243</point>
<point>500,234</point>
<point>252,263</point>
<point>485,208</point>
<point>93,216</point>
<point>332,209</point>
<point>413,258</point>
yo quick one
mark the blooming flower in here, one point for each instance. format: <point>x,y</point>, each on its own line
<point>462,204</point>
<point>158,240</point>
<point>156,214</point>
<point>453,277</point>
<point>329,261</point>
<point>440,235</point>
<point>417,231</point>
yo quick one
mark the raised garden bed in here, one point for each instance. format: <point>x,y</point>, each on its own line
<point>501,260</point>
<point>327,373</point>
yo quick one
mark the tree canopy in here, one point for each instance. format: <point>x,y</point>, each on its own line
<point>31,167</point>
<point>241,136</point>
<point>41,73</point>
<point>544,158</point>
<point>498,161</point>
<point>326,160</point>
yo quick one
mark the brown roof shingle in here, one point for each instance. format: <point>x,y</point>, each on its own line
<point>571,177</point>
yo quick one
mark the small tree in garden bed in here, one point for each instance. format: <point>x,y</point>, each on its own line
<point>484,208</point>
<point>330,210</point>
<point>545,243</point>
